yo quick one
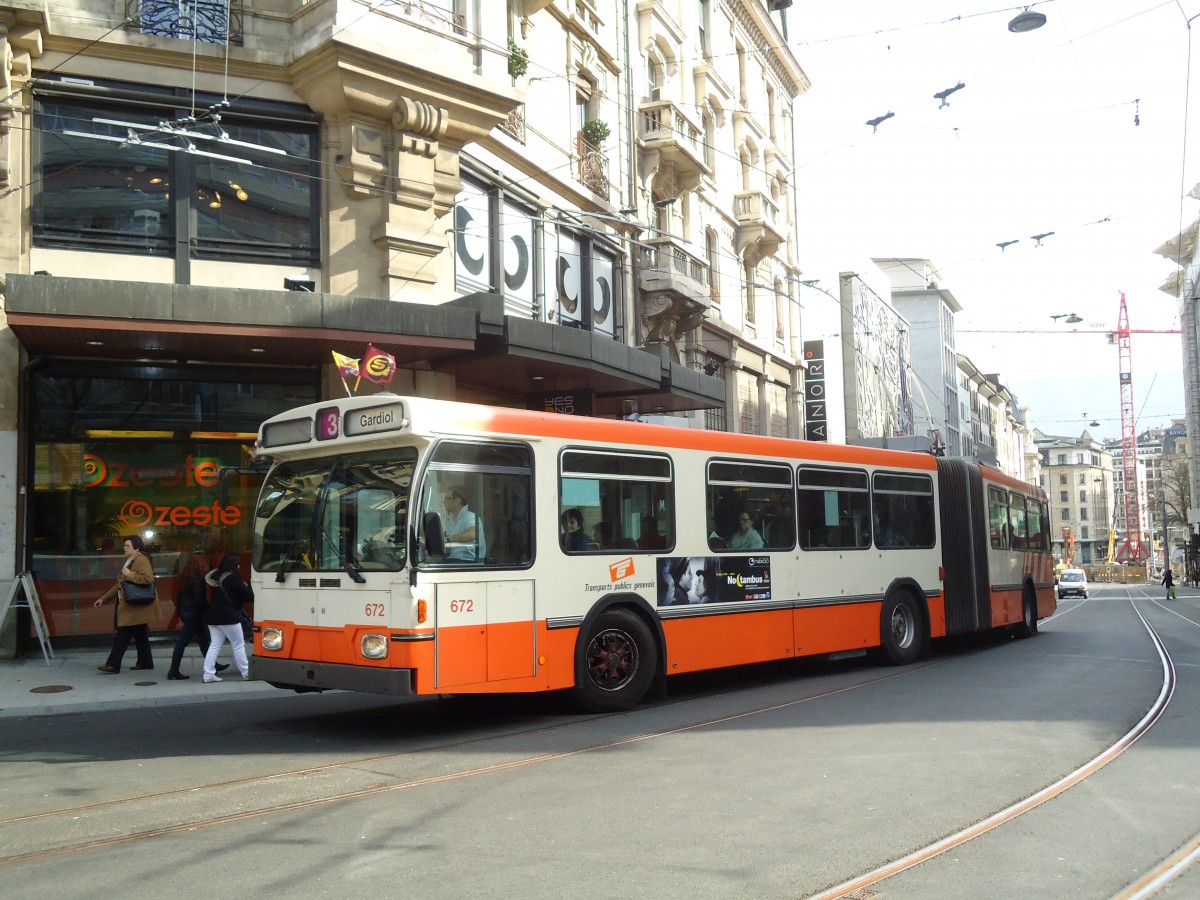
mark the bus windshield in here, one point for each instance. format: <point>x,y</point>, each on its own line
<point>330,513</point>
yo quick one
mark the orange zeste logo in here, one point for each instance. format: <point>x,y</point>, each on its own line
<point>622,568</point>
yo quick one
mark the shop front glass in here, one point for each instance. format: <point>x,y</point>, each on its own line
<point>163,452</point>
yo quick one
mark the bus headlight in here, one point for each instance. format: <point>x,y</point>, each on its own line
<point>374,646</point>
<point>272,639</point>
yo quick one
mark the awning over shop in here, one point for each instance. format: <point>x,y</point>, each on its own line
<point>471,338</point>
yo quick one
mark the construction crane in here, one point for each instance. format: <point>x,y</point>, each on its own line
<point>1132,548</point>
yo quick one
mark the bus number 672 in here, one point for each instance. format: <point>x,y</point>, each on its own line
<point>462,606</point>
<point>375,609</point>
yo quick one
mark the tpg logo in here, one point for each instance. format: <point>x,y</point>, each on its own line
<point>622,568</point>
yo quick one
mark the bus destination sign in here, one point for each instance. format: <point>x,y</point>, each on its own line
<point>375,419</point>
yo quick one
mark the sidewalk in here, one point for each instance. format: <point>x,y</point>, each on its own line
<point>72,683</point>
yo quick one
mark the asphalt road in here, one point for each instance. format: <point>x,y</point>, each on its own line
<point>770,782</point>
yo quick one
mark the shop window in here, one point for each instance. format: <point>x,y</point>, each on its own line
<point>154,451</point>
<point>256,200</point>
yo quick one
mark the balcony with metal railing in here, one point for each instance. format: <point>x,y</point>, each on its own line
<point>592,166</point>
<point>207,21</point>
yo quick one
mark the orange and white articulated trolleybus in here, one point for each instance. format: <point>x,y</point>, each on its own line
<point>413,546</point>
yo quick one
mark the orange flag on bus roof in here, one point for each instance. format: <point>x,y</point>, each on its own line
<point>379,366</point>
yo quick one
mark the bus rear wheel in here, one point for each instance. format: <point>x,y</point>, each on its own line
<point>1027,627</point>
<point>618,663</point>
<point>899,629</point>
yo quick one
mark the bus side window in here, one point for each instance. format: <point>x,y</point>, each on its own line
<point>482,489</point>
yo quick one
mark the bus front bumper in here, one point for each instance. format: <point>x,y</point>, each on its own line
<point>306,675</point>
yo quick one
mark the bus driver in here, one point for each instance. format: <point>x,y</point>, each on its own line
<point>464,532</point>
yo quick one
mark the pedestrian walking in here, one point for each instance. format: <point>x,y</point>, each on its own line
<point>191,604</point>
<point>1168,581</point>
<point>229,594</point>
<point>136,607</point>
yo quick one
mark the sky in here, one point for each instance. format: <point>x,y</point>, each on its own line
<point>1077,128</point>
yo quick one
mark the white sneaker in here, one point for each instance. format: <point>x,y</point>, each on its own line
<point>211,680</point>
<point>247,678</point>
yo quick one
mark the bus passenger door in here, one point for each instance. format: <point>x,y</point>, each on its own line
<point>484,632</point>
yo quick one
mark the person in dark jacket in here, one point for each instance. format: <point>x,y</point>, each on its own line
<point>1168,581</point>
<point>229,594</point>
<point>191,604</point>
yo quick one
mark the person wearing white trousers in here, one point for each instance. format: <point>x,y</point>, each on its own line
<point>219,634</point>
<point>229,593</point>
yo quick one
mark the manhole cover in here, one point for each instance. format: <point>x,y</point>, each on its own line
<point>144,683</point>
<point>50,689</point>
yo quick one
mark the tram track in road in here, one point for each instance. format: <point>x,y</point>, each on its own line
<point>75,818</point>
<point>1144,887</point>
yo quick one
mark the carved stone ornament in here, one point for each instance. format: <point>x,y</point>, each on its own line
<point>666,318</point>
<point>19,46</point>
<point>361,162</point>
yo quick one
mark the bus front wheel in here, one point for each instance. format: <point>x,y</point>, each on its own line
<point>899,629</point>
<point>618,663</point>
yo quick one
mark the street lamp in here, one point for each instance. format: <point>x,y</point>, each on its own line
<point>1026,21</point>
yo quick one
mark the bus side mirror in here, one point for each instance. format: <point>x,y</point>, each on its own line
<point>435,541</point>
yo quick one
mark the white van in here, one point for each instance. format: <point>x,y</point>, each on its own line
<point>1072,581</point>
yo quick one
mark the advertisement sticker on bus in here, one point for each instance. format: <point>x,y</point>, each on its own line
<point>686,580</point>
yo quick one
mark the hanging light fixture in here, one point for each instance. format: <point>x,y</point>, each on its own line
<point>1026,20</point>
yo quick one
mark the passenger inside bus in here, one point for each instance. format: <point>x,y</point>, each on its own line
<point>747,536</point>
<point>650,539</point>
<point>602,534</point>
<point>573,538</point>
<point>884,536</point>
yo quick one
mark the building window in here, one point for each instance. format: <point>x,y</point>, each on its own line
<point>748,292</point>
<point>712,253</point>
<point>654,77</point>
<point>780,310</point>
<point>253,201</point>
<point>1062,479</point>
<point>1062,496</point>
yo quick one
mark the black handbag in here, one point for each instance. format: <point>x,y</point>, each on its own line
<point>139,594</point>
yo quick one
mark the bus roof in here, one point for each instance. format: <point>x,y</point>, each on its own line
<point>375,417</point>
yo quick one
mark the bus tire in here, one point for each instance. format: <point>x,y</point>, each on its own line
<point>1027,627</point>
<point>618,662</point>
<point>899,629</point>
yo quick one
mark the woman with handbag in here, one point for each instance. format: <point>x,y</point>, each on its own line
<point>137,607</point>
